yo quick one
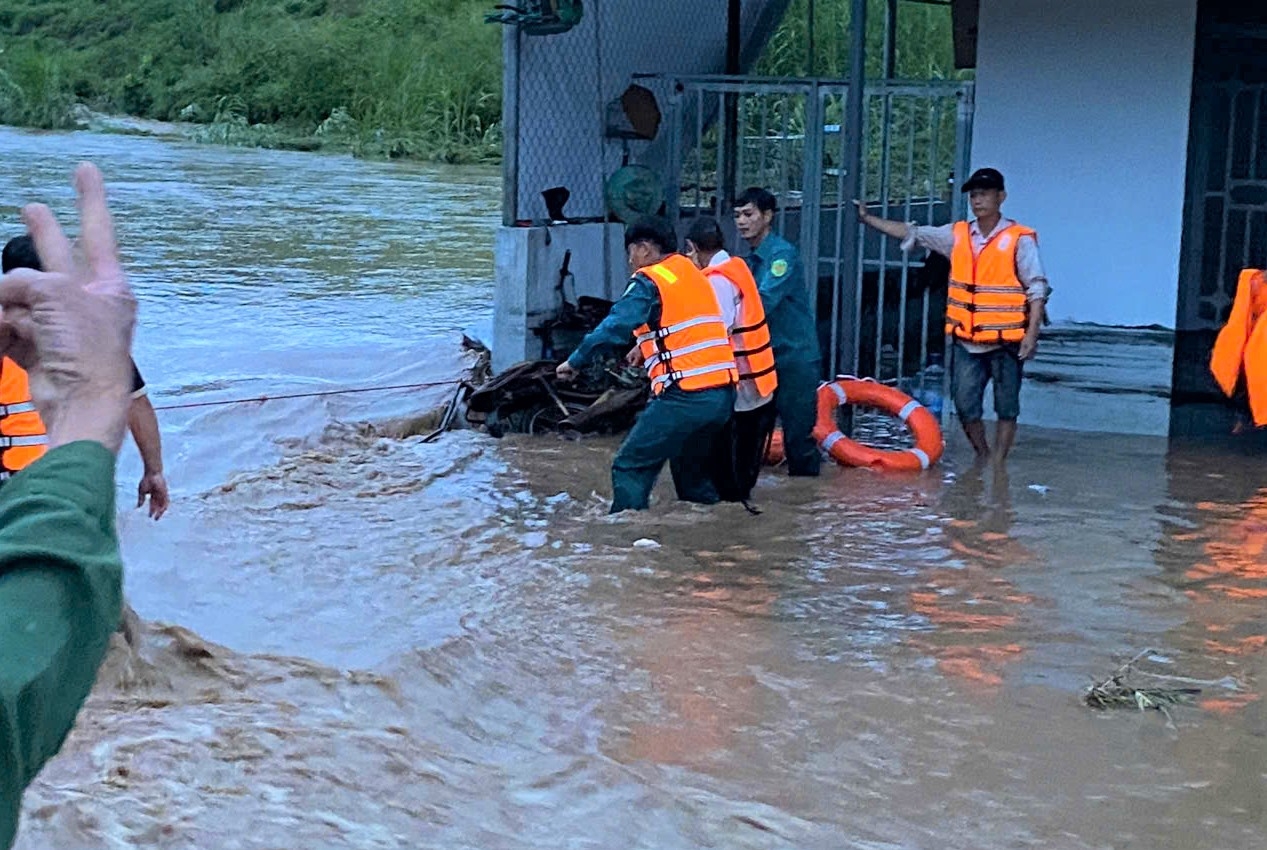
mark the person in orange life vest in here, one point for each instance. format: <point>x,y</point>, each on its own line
<point>1241,347</point>
<point>997,303</point>
<point>20,253</point>
<point>670,311</point>
<point>740,448</point>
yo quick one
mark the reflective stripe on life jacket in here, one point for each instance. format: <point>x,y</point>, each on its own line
<point>23,439</point>
<point>1241,347</point>
<point>750,338</point>
<point>987,302</point>
<point>689,346</point>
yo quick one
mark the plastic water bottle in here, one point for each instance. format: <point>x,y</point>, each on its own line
<point>932,379</point>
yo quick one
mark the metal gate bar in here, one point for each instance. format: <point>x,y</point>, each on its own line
<point>914,138</point>
<point>1227,228</point>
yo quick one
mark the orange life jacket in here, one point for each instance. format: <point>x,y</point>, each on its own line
<point>750,338</point>
<point>23,439</point>
<point>1242,344</point>
<point>689,345</point>
<point>987,301</point>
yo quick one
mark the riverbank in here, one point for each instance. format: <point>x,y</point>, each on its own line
<point>336,135</point>
<point>229,133</point>
<point>377,78</point>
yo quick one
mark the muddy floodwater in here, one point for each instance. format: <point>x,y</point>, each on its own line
<point>356,640</point>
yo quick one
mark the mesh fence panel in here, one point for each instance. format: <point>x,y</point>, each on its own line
<point>567,82</point>
<point>558,118</point>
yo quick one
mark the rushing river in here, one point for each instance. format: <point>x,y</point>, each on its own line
<point>361,641</point>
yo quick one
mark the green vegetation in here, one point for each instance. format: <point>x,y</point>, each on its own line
<point>920,131</point>
<point>407,78</point>
<point>925,47</point>
<point>389,78</point>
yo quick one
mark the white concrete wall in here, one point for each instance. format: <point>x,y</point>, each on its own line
<point>1083,105</point>
<point>527,262</point>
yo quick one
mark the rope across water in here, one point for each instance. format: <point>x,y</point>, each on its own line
<point>315,394</point>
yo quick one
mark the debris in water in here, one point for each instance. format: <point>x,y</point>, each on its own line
<point>1040,489</point>
<point>1116,692</point>
<point>646,543</point>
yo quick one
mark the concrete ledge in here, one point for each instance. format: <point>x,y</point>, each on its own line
<point>527,263</point>
<point>1099,378</point>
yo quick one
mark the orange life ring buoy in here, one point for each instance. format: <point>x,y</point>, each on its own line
<point>928,440</point>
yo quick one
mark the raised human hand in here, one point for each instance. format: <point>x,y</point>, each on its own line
<point>70,326</point>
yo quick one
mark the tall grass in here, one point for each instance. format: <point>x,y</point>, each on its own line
<point>925,48</point>
<point>416,78</point>
<point>394,78</point>
<point>33,90</point>
<point>413,97</point>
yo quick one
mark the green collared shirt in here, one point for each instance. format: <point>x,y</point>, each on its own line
<point>61,591</point>
<point>637,307</point>
<point>780,275</point>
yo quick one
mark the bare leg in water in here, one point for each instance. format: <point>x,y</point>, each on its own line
<point>975,431</point>
<point>1004,437</point>
<point>130,626</point>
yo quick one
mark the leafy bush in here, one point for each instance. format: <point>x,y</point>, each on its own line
<point>394,78</point>
<point>419,78</point>
<point>34,91</point>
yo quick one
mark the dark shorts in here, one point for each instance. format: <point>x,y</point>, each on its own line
<point>971,373</point>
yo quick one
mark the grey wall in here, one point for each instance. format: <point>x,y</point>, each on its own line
<point>567,79</point>
<point>528,260</point>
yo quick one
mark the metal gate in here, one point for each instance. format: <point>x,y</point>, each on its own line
<point>1227,226</point>
<point>879,313</point>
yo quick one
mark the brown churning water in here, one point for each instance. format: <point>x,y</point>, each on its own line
<point>381,643</point>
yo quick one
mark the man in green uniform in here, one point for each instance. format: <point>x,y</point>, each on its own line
<point>678,425</point>
<point>776,265</point>
<point>60,572</point>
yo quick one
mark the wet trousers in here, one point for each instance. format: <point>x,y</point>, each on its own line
<point>739,451</point>
<point>797,399</point>
<point>679,427</point>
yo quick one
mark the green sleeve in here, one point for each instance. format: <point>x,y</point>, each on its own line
<point>635,308</point>
<point>60,598</point>
<point>788,283</point>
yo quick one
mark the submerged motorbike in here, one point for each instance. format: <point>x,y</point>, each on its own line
<point>526,399</point>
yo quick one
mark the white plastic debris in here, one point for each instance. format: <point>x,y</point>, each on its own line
<point>646,543</point>
<point>1040,489</point>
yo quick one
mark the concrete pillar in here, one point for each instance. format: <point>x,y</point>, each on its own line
<point>528,260</point>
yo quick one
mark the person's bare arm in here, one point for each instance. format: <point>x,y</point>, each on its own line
<point>896,229</point>
<point>1029,269</point>
<point>143,423</point>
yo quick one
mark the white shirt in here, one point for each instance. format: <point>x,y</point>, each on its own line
<point>728,295</point>
<point>730,300</point>
<point>1029,268</point>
